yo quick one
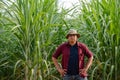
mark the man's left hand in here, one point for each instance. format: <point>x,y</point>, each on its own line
<point>83,71</point>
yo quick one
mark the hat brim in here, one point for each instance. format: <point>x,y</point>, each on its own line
<point>78,35</point>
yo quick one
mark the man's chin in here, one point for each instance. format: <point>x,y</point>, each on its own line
<point>72,41</point>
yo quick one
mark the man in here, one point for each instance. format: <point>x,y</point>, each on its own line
<point>73,53</point>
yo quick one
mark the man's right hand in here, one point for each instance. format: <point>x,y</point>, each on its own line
<point>62,72</point>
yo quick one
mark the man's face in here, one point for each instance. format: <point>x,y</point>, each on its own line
<point>72,38</point>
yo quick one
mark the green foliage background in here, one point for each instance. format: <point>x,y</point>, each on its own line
<point>30,31</point>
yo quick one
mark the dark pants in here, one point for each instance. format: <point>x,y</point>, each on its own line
<point>74,77</point>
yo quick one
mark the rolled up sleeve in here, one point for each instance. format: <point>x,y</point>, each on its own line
<point>88,53</point>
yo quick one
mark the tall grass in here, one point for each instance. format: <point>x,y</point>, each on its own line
<point>34,28</point>
<point>100,22</point>
<point>35,24</point>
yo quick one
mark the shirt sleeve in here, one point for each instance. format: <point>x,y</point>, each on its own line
<point>57,53</point>
<point>88,53</point>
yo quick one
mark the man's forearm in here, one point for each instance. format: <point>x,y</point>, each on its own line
<point>56,63</point>
<point>89,63</point>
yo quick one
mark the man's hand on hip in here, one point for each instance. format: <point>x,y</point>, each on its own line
<point>83,72</point>
<point>62,72</point>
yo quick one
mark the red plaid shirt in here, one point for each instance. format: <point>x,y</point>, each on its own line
<point>64,49</point>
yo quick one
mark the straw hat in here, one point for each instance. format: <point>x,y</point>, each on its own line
<point>72,31</point>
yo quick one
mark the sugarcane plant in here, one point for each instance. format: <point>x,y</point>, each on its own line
<point>100,19</point>
<point>34,25</point>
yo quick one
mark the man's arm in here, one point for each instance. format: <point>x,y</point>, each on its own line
<point>56,63</point>
<point>89,54</point>
<point>88,64</point>
<point>60,70</point>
